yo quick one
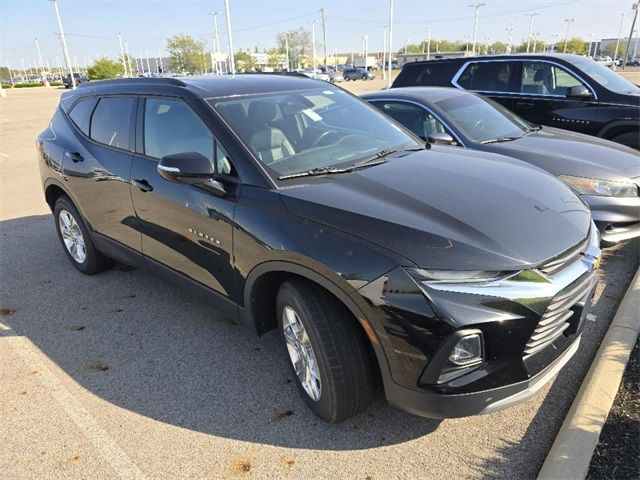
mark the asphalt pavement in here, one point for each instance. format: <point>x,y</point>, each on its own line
<point>121,375</point>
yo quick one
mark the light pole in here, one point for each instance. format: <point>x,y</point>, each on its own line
<point>64,45</point>
<point>475,25</point>
<point>554,38</point>
<point>232,62</point>
<point>313,45</point>
<point>511,29</point>
<point>406,42</point>
<point>215,42</point>
<point>365,44</point>
<point>126,51</point>
<point>124,62</point>
<point>429,44</point>
<point>635,7</point>
<point>46,81</point>
<point>390,42</point>
<point>384,52</point>
<point>569,21</point>
<point>530,15</point>
<point>535,38</point>
<point>286,50</point>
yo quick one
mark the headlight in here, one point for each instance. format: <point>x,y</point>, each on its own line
<point>594,186</point>
<point>454,276</point>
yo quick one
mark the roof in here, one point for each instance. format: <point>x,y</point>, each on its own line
<point>431,94</point>
<point>517,56</point>
<point>208,85</point>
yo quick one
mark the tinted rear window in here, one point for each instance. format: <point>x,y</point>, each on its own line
<point>112,122</point>
<point>431,74</point>
<point>81,112</point>
<point>489,77</point>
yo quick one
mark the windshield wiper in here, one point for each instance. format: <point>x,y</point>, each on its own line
<point>315,172</point>
<point>500,139</point>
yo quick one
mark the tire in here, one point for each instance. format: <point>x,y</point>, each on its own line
<point>364,77</point>
<point>336,346</point>
<point>84,256</point>
<point>630,139</point>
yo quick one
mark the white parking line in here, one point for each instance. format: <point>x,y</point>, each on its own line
<point>99,438</point>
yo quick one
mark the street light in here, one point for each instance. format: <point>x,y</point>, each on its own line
<point>406,42</point>
<point>531,15</point>
<point>232,62</point>
<point>390,41</point>
<point>64,45</point>
<point>511,29</point>
<point>569,21</point>
<point>46,81</point>
<point>636,7</point>
<point>215,40</point>
<point>124,62</point>
<point>384,52</point>
<point>428,44</point>
<point>313,44</point>
<point>475,25</point>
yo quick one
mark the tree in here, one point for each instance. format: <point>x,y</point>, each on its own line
<point>104,68</point>
<point>4,74</point>
<point>497,47</point>
<point>299,44</point>
<point>273,60</point>
<point>245,62</point>
<point>187,54</point>
<point>574,45</point>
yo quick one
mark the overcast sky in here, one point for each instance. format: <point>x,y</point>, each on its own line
<point>91,25</point>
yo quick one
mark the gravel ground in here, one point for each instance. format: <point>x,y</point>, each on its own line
<point>122,375</point>
<point>617,455</point>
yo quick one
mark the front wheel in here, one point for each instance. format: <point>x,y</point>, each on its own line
<point>327,349</point>
<point>75,239</point>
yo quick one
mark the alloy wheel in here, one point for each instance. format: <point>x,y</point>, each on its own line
<point>72,236</point>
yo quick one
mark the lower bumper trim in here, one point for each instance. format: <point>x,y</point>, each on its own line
<point>619,234</point>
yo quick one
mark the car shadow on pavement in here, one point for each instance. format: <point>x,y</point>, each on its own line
<point>150,348</point>
<point>529,454</point>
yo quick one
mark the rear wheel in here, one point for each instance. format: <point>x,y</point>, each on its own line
<point>630,139</point>
<point>364,77</point>
<point>75,239</point>
<point>327,349</point>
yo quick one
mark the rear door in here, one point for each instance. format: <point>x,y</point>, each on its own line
<point>542,97</point>
<point>97,164</point>
<point>496,79</point>
<point>185,228</point>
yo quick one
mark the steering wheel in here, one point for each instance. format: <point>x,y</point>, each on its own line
<point>323,137</point>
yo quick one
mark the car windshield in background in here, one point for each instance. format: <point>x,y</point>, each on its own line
<point>481,120</point>
<point>606,77</point>
<point>291,132</point>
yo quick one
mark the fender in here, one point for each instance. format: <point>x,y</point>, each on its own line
<point>54,181</point>
<point>336,288</point>
<point>633,124</point>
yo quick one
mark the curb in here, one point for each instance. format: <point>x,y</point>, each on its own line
<point>571,452</point>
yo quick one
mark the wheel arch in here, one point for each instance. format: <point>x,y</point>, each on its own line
<point>261,287</point>
<point>619,127</point>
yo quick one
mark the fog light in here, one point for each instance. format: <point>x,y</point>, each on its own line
<point>467,351</point>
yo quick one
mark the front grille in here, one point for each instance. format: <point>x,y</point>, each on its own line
<point>558,315</point>
<point>564,259</point>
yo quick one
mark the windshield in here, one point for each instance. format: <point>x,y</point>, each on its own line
<point>481,120</point>
<point>606,77</point>
<point>291,132</point>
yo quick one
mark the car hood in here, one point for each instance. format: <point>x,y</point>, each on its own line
<point>568,153</point>
<point>449,209</point>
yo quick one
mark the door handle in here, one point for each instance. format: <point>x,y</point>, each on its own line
<point>75,157</point>
<point>142,185</point>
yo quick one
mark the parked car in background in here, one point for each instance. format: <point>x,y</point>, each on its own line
<point>565,91</point>
<point>462,279</point>
<point>604,173</point>
<point>357,74</point>
<point>79,79</point>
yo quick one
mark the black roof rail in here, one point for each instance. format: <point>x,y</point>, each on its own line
<point>136,80</point>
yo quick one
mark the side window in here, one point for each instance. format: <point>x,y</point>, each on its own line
<point>488,77</point>
<point>111,122</point>
<point>81,113</point>
<point>170,127</point>
<point>540,78</point>
<point>415,118</point>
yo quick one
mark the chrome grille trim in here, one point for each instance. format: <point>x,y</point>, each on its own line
<point>565,258</point>
<point>556,318</point>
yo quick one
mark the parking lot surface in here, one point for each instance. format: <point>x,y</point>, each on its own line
<point>120,375</point>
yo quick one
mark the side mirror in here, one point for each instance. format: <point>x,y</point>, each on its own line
<point>579,91</point>
<point>190,168</point>
<point>440,138</point>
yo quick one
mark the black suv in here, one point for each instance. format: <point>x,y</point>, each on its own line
<point>459,278</point>
<point>564,91</point>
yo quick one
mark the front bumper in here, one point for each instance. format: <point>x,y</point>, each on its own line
<point>617,218</point>
<point>477,403</point>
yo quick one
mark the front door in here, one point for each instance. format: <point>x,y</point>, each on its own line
<point>184,227</point>
<point>543,98</point>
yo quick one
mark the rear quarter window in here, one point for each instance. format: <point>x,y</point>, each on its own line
<point>489,76</point>
<point>80,114</point>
